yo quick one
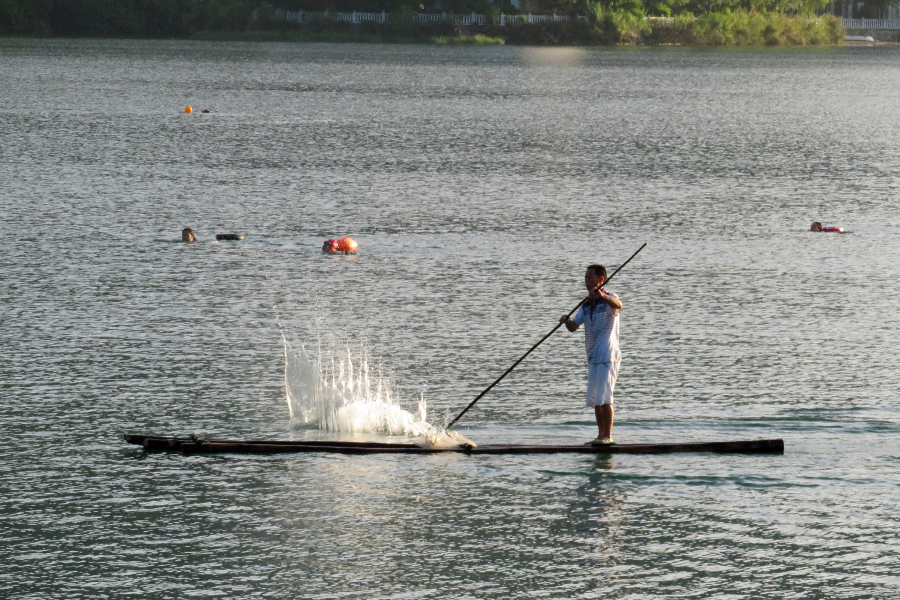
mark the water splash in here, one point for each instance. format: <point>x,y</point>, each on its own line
<point>342,393</point>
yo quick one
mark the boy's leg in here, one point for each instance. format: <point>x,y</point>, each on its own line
<point>604,414</point>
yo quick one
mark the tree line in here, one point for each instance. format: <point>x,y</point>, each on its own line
<point>139,18</point>
<point>182,18</point>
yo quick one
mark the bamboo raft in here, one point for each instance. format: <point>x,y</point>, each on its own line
<point>197,445</point>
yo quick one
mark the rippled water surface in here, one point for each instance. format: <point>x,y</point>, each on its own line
<point>479,182</point>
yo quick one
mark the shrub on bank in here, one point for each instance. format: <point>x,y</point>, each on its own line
<point>608,27</point>
<point>745,28</point>
<point>476,40</point>
<point>623,25</point>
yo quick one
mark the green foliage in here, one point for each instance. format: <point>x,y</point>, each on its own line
<point>718,22</point>
<point>465,6</point>
<point>221,15</point>
<point>477,40</point>
<point>593,10</point>
<point>550,7</point>
<point>618,21</point>
<point>149,18</point>
<point>791,7</point>
<point>744,28</point>
<point>625,26</point>
<point>13,16</point>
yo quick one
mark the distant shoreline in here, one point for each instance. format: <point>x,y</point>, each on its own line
<point>342,38</point>
<point>737,28</point>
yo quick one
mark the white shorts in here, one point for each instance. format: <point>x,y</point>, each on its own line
<point>601,383</point>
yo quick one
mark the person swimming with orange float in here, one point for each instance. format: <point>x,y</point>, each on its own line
<point>187,235</point>
<point>345,245</point>
<point>816,226</point>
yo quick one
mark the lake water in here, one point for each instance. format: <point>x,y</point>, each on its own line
<point>479,183</point>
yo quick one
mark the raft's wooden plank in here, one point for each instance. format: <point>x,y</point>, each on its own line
<point>158,442</point>
<point>315,443</point>
<point>263,448</point>
<point>198,446</point>
<point>749,446</point>
<point>232,447</point>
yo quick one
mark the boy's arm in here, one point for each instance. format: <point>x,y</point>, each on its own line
<point>613,301</point>
<point>569,323</point>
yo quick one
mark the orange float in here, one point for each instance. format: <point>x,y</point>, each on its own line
<point>347,244</point>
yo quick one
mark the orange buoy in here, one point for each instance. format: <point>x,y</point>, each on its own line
<point>347,244</point>
<point>188,109</point>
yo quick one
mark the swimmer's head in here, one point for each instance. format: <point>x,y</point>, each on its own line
<point>816,226</point>
<point>187,235</point>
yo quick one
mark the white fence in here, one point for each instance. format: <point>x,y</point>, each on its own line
<point>518,19</point>
<point>302,16</point>
<point>871,23</point>
<point>471,19</point>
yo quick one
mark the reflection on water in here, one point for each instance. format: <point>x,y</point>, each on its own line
<point>593,516</point>
<point>552,57</point>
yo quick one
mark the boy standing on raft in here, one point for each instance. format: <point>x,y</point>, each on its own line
<point>600,316</point>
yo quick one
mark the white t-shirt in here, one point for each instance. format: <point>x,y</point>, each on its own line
<point>601,330</point>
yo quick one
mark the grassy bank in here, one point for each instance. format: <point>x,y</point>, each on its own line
<point>742,28</point>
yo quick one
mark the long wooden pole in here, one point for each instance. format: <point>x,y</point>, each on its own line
<point>552,331</point>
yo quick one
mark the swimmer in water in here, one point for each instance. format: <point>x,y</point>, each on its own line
<point>345,245</point>
<point>187,235</point>
<point>816,226</point>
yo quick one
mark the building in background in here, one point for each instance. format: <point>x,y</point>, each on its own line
<point>868,10</point>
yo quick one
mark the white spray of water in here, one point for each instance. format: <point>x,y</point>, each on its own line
<point>342,394</point>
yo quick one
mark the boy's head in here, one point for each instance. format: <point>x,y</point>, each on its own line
<point>594,276</point>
